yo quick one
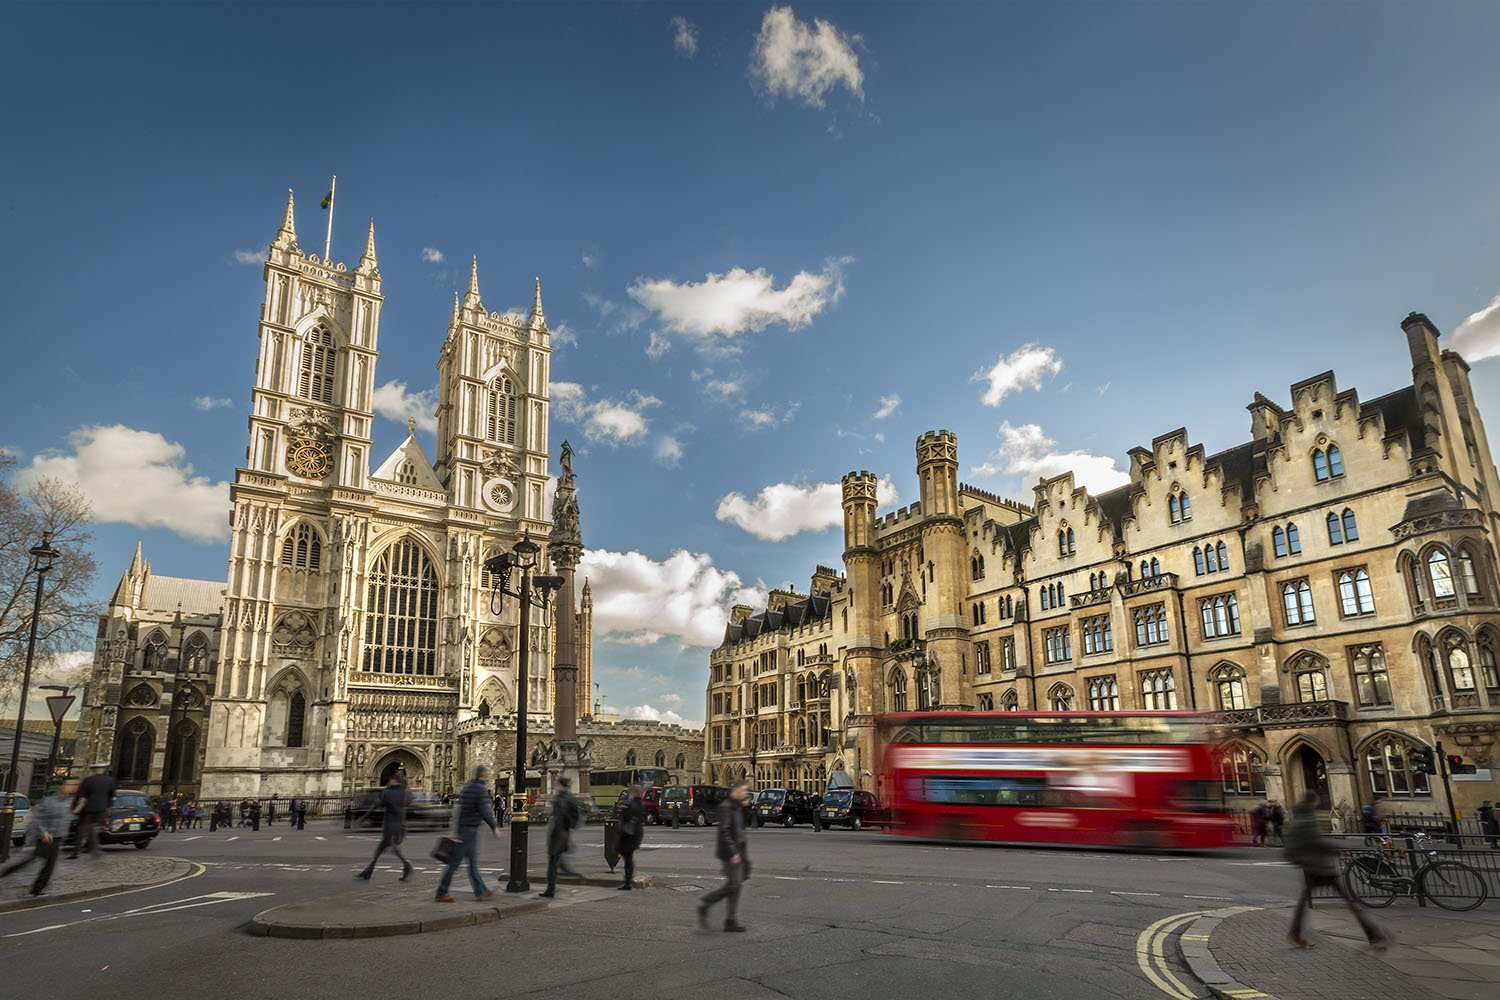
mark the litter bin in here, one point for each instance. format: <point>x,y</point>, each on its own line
<point>611,842</point>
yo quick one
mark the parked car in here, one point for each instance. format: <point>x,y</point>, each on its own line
<point>132,820</point>
<point>650,800</point>
<point>23,812</point>
<point>425,810</point>
<point>782,805</point>
<point>853,809</point>
<point>696,804</point>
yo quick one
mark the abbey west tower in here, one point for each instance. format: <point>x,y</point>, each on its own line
<point>357,627</point>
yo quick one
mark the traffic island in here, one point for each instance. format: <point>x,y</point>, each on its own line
<point>88,878</point>
<point>409,908</point>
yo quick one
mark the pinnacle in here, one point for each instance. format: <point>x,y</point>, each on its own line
<point>286,236</point>
<point>367,262</point>
<point>471,297</point>
<point>538,320</point>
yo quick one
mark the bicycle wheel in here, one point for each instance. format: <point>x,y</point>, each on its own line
<point>1371,880</point>
<point>1453,885</point>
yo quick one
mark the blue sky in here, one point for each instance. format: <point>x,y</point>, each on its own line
<point>781,242</point>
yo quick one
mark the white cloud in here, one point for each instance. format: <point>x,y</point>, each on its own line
<point>138,477</point>
<point>671,699</point>
<point>591,258</point>
<point>640,601</point>
<point>684,36</point>
<point>211,402</point>
<point>563,336</point>
<point>607,420</point>
<point>1023,369</point>
<point>1478,337</point>
<point>432,255</point>
<point>782,510</point>
<point>724,390</point>
<point>767,417</point>
<point>793,60</point>
<point>659,345</point>
<point>656,715</point>
<point>668,451</point>
<point>888,405</point>
<point>1026,451</point>
<point>255,255</point>
<point>394,402</point>
<point>730,304</point>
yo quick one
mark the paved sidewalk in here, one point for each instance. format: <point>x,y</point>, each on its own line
<point>1434,954</point>
<point>384,910</point>
<point>86,878</point>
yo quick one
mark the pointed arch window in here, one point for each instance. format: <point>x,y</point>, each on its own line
<point>1391,774</point>
<point>1293,540</point>
<point>136,745</point>
<point>1242,770</point>
<point>319,364</point>
<point>1223,557</point>
<point>986,703</point>
<point>661,758</point>
<point>1355,596</point>
<point>1351,526</point>
<point>401,612</point>
<point>1372,682</point>
<point>181,764</point>
<point>1335,530</point>
<point>681,761</point>
<point>1467,575</point>
<point>1104,694</point>
<point>898,690</point>
<point>156,651</point>
<point>501,425</point>
<point>1328,463</point>
<point>1229,681</point>
<point>1210,560</point>
<point>630,758</point>
<point>296,720</point>
<point>1060,698</point>
<point>1199,565</point>
<point>1489,667</point>
<point>302,549</point>
<point>1310,676</point>
<point>1158,690</point>
<point>1155,567</point>
<point>1009,702</point>
<point>1440,573</point>
<point>1296,603</point>
<point>1460,667</point>
<point>1278,541</point>
<point>926,695</point>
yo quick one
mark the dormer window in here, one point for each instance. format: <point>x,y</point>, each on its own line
<point>1179,507</point>
<point>406,473</point>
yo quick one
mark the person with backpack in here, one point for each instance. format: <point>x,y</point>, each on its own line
<point>632,831</point>
<point>565,816</point>
<point>730,849</point>
<point>1317,856</point>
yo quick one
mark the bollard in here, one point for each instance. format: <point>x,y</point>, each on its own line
<point>611,842</point>
<point>676,817</point>
<point>349,817</point>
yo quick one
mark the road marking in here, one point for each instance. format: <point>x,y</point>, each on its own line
<point>274,839</point>
<point>1207,897</point>
<point>1261,864</point>
<point>320,838</point>
<point>1153,961</point>
<point>1026,887</point>
<point>191,902</point>
<point>232,839</point>
<point>1069,890</point>
<point>1122,892</point>
<point>186,839</point>
<point>877,881</point>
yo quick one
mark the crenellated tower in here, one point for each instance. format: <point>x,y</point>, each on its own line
<point>945,627</point>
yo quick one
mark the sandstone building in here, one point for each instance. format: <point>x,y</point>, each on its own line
<point>355,632</point>
<point>1329,586</point>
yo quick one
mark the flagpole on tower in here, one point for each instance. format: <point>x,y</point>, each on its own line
<point>328,204</point>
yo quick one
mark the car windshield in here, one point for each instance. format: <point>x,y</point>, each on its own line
<point>131,801</point>
<point>22,802</point>
<point>839,799</point>
<point>772,797</point>
<point>675,795</point>
<point>424,797</point>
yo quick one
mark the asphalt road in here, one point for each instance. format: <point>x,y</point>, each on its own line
<point>831,915</point>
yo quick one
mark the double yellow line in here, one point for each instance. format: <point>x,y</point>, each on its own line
<point>1150,954</point>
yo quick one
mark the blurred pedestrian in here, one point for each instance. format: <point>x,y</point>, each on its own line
<point>1259,817</point>
<point>1488,824</point>
<point>560,826</point>
<point>1369,825</point>
<point>91,802</point>
<point>394,799</point>
<point>271,812</point>
<point>632,830</point>
<point>730,849</point>
<point>1317,856</point>
<point>255,815</point>
<point>474,810</point>
<point>46,829</point>
<point>1277,817</point>
<point>301,814</point>
<point>817,813</point>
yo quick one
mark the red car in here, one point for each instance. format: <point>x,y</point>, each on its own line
<point>650,799</point>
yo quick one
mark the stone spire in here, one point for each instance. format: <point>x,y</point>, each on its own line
<point>455,307</point>
<point>471,297</point>
<point>286,236</point>
<point>587,603</point>
<point>537,320</point>
<point>367,263</point>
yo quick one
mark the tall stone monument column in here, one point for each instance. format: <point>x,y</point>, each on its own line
<point>565,546</point>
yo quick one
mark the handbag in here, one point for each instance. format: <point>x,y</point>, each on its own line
<point>446,848</point>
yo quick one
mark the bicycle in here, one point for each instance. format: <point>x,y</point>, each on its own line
<point>1375,881</point>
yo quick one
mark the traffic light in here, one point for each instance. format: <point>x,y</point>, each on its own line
<point>1423,759</point>
<point>1456,765</point>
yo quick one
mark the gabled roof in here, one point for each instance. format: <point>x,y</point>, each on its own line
<point>794,614</point>
<point>409,451</point>
<point>196,597</point>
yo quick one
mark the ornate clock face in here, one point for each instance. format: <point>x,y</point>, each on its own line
<point>499,495</point>
<point>309,459</point>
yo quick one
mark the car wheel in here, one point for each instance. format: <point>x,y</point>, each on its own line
<point>855,824</point>
<point>701,819</point>
<point>141,845</point>
<point>787,822</point>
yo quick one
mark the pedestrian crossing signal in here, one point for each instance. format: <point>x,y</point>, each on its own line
<point>1456,765</point>
<point>1422,759</point>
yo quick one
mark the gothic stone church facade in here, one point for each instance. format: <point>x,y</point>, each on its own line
<point>1328,587</point>
<point>355,631</point>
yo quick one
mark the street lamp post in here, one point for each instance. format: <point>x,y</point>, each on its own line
<point>43,554</point>
<point>57,705</point>
<point>180,696</point>
<point>533,592</point>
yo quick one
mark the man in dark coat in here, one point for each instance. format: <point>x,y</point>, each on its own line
<point>632,831</point>
<point>474,811</point>
<point>560,824</point>
<point>92,806</point>
<point>730,849</point>
<point>393,799</point>
<point>1317,856</point>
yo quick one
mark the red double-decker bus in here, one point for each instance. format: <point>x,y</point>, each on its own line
<point>1137,779</point>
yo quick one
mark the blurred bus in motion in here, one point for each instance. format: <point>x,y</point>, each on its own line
<point>1134,779</point>
<point>605,786</point>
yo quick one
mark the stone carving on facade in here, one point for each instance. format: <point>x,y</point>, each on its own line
<point>1443,520</point>
<point>294,635</point>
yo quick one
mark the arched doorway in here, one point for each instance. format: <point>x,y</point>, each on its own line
<point>1312,773</point>
<point>399,760</point>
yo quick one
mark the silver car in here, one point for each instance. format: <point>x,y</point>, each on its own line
<point>23,813</point>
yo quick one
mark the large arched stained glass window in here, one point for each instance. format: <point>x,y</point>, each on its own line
<point>136,745</point>
<point>401,612</point>
<point>182,753</point>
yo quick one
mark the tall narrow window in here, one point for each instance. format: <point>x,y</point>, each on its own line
<point>1187,507</point>
<point>1278,541</point>
<point>137,743</point>
<point>502,416</point>
<point>1372,683</point>
<point>1230,682</point>
<point>1355,595</point>
<point>898,690</point>
<point>182,753</point>
<point>195,654</point>
<point>1351,528</point>
<point>1489,670</point>
<point>401,612</point>
<point>1335,530</point>
<point>1174,509</point>
<point>296,720</point>
<point>1460,669</point>
<point>1198,565</point>
<point>1335,461</point>
<point>1223,557</point>
<point>1466,573</point>
<point>1440,572</point>
<point>1211,562</point>
<point>1293,539</point>
<point>1320,466</point>
<point>319,363</point>
<point>1296,601</point>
